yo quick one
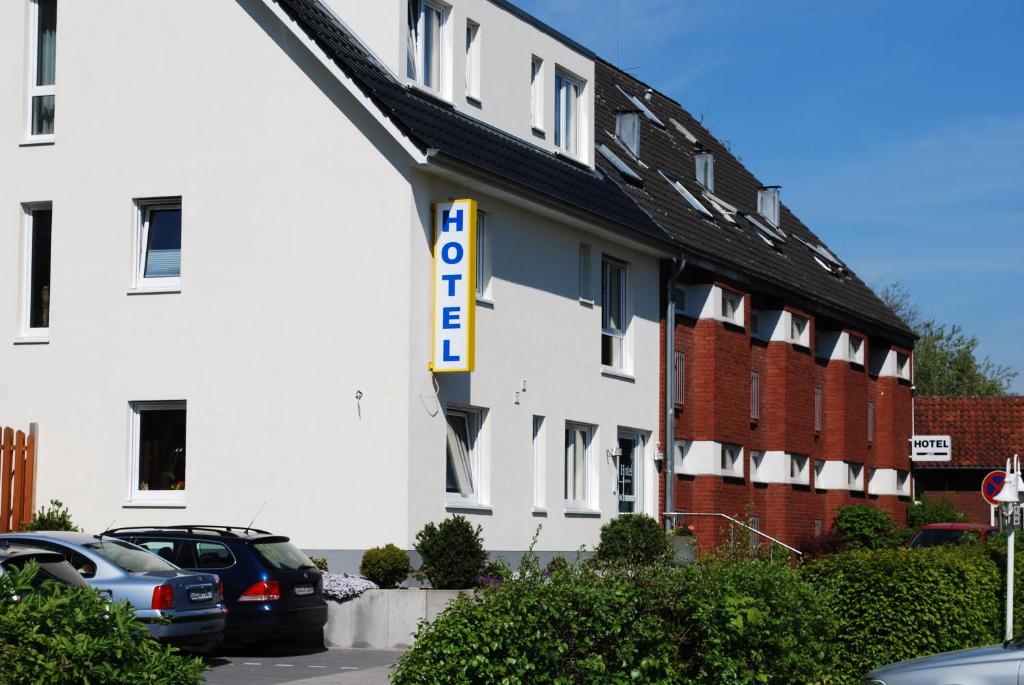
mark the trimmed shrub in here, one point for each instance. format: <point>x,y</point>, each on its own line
<point>58,634</point>
<point>452,552</point>
<point>866,527</point>
<point>633,539</point>
<point>386,566</point>
<point>54,517</point>
<point>938,510</point>
<point>898,604</point>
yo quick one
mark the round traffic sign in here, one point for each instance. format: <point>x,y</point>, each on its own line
<point>991,486</point>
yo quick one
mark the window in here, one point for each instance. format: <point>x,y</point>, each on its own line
<point>871,421</point>
<point>903,366</point>
<point>679,378</point>
<point>755,395</point>
<point>798,330</point>
<point>425,46</point>
<point>818,409</point>
<point>706,170</point>
<point>35,307</point>
<point>732,307</point>
<point>472,60</point>
<point>463,467</point>
<point>483,257</point>
<point>42,67</point>
<point>817,528</point>
<point>621,166</point>
<point>577,464</point>
<point>613,314</point>
<point>158,452</point>
<point>628,464</point>
<point>642,107</point>
<point>687,195</point>
<point>537,93</point>
<point>855,476</point>
<point>768,204</point>
<point>627,130</point>
<point>856,349</point>
<point>799,469</point>
<point>213,555</point>
<point>567,113</point>
<point>755,528</point>
<point>586,294</point>
<point>539,465</point>
<point>732,460</point>
<point>903,483</point>
<point>158,244</point>
<point>758,467</point>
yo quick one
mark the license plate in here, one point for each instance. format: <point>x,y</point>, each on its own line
<point>304,590</point>
<point>201,596</point>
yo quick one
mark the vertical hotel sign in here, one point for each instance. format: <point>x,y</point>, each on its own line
<point>454,285</point>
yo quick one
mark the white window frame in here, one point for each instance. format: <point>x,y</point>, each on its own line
<point>799,330</point>
<point>473,60</point>
<point>32,90</point>
<point>476,422</point>
<point>135,496</point>
<point>618,335</point>
<point>799,469</point>
<point>539,464</point>
<point>26,333</point>
<point>629,136</point>
<point>566,87</point>
<point>855,476</point>
<point>586,278</point>
<point>569,470</point>
<point>731,460</point>
<point>903,366</point>
<point>143,208</point>
<point>537,93</point>
<point>758,466</point>
<point>855,349</point>
<point>484,255</point>
<point>735,302</point>
<point>639,464</point>
<point>443,50</point>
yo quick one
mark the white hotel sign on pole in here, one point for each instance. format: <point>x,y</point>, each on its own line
<point>931,448</point>
<point>454,286</point>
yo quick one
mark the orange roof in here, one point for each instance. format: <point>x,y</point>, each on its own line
<point>984,430</point>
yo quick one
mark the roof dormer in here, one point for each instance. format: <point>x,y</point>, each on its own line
<point>706,170</point>
<point>768,204</point>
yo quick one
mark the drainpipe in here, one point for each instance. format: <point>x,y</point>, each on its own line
<point>678,264</point>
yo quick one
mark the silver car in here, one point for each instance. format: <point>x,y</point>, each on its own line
<point>156,588</point>
<point>995,665</point>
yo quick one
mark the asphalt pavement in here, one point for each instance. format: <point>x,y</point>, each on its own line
<point>266,666</point>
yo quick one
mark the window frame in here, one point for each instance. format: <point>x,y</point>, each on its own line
<point>32,90</point>
<point>537,93</point>
<point>26,332</point>
<point>419,44</point>
<point>584,504</point>
<point>768,205</point>
<point>539,463</point>
<point>734,469</point>
<point>855,349</point>
<point>819,409</point>
<point>639,441</point>
<point>871,421</point>
<point>140,249</point>
<point>705,170</point>
<point>565,83</point>
<point>586,277</point>
<point>854,476</point>
<point>618,335</point>
<point>679,378</point>
<point>476,418</point>
<point>736,301</point>
<point>799,330</point>
<point>155,498</point>
<point>632,142</point>
<point>473,79</point>
<point>799,469</point>
<point>484,273</point>
<point>755,395</point>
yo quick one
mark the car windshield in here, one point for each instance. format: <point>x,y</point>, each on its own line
<point>938,536</point>
<point>129,557</point>
<point>283,555</point>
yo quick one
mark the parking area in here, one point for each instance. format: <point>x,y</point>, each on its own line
<point>307,666</point>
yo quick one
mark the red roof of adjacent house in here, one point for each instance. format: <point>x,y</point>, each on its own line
<point>984,430</point>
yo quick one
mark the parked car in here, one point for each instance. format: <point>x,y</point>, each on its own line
<point>156,588</point>
<point>271,588</point>
<point>995,665</point>
<point>935,534</point>
<point>52,565</point>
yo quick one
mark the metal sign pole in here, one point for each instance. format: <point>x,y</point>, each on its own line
<point>1009,579</point>
<point>1009,499</point>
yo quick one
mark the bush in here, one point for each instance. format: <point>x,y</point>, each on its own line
<point>898,604</point>
<point>866,527</point>
<point>634,539</point>
<point>59,634</point>
<point>55,517</point>
<point>939,510</point>
<point>320,563</point>
<point>386,566</point>
<point>495,572</point>
<point>452,552</point>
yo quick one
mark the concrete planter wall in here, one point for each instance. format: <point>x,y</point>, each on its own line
<point>383,619</point>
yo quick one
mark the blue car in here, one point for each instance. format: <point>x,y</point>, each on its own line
<point>179,607</point>
<point>271,588</point>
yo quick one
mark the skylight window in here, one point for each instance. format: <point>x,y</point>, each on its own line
<point>639,104</point>
<point>685,131</point>
<point>768,204</point>
<point>824,257</point>
<point>724,208</point>
<point>768,234</point>
<point>694,202</point>
<point>706,170</point>
<point>618,163</point>
<point>627,129</point>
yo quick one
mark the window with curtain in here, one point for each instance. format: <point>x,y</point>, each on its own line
<point>613,314</point>
<point>158,450</point>
<point>462,462</point>
<point>577,464</point>
<point>158,243</point>
<point>42,95</point>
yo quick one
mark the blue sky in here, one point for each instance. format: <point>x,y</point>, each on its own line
<point>895,127</point>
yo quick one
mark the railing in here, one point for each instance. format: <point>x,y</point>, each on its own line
<point>17,477</point>
<point>672,515</point>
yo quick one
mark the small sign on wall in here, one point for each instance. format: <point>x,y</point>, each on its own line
<point>454,286</point>
<point>931,448</point>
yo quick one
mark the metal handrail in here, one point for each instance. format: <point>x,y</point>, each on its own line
<point>674,514</point>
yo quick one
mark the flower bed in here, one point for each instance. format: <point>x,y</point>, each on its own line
<point>342,587</point>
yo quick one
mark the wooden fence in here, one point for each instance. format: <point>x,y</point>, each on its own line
<point>17,479</point>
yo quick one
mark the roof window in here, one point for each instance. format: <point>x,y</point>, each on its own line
<point>706,170</point>
<point>639,104</point>
<point>619,164</point>
<point>826,260</point>
<point>768,204</point>
<point>768,234</point>
<point>685,131</point>
<point>694,202</point>
<point>724,208</point>
<point>627,130</point>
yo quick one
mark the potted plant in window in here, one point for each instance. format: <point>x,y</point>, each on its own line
<point>684,544</point>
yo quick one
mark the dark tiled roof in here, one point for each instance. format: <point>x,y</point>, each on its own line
<point>788,266</point>
<point>984,430</point>
<point>437,126</point>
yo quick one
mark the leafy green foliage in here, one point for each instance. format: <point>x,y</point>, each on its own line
<point>386,566</point>
<point>866,527</point>
<point>320,563</point>
<point>452,552</point>
<point>897,604</point>
<point>633,539</point>
<point>54,517</point>
<point>938,510</point>
<point>54,634</point>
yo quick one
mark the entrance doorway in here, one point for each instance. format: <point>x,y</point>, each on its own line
<point>629,465</point>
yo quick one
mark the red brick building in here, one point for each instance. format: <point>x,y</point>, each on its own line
<point>984,432</point>
<point>787,382</point>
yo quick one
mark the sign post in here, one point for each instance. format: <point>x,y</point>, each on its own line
<point>1009,498</point>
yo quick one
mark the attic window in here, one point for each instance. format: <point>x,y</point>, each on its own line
<point>627,129</point>
<point>828,261</point>
<point>706,170</point>
<point>768,234</point>
<point>685,131</point>
<point>639,104</point>
<point>619,164</point>
<point>768,204</point>
<point>724,208</point>
<point>694,202</point>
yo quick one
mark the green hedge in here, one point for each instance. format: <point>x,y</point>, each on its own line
<point>891,605</point>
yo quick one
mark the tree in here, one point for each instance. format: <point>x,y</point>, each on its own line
<point>944,356</point>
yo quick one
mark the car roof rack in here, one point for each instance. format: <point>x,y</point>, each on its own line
<point>224,531</point>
